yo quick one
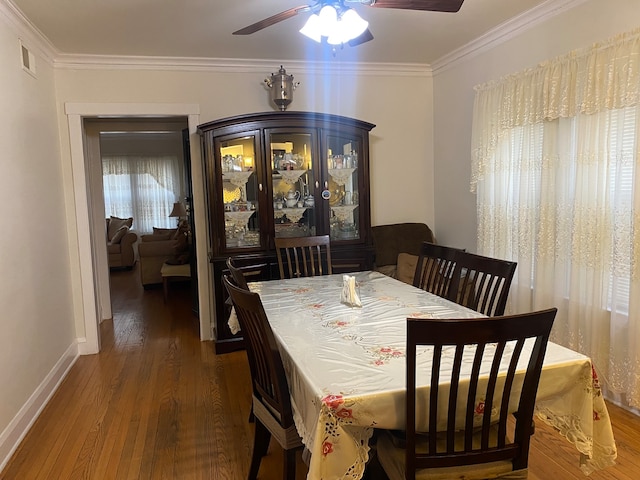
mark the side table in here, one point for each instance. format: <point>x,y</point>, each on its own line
<point>171,271</point>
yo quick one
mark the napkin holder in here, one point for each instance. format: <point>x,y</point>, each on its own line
<point>349,295</point>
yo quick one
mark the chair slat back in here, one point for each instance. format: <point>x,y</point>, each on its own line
<point>242,273</point>
<point>474,402</point>
<point>481,283</point>
<point>435,267</point>
<point>236,274</point>
<point>304,256</point>
<point>267,371</point>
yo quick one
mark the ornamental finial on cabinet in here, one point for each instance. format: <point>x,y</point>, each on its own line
<point>282,87</point>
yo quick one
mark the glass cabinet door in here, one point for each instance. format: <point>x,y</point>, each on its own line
<point>237,157</point>
<point>343,186</point>
<point>293,178</point>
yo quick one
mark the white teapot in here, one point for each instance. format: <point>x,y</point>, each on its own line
<point>309,201</point>
<point>292,198</point>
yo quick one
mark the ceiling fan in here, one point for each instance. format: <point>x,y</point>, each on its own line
<point>339,13</point>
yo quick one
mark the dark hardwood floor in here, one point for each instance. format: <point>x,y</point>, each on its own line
<point>157,403</point>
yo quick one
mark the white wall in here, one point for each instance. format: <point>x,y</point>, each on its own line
<point>401,154</point>
<point>38,337</point>
<point>455,207</point>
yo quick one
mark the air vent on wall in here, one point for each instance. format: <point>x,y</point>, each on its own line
<point>28,60</point>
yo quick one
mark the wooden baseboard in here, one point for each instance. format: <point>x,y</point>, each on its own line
<point>11,437</point>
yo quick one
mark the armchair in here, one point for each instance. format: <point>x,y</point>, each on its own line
<point>121,242</point>
<point>165,244</point>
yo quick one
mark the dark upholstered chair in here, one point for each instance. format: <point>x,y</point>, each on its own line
<point>304,256</point>
<point>392,240</point>
<point>481,283</point>
<point>477,438</point>
<point>271,400</point>
<point>434,269</point>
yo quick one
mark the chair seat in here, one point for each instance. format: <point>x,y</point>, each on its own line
<point>287,438</point>
<point>392,457</point>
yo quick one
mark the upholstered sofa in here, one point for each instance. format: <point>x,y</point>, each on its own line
<point>121,242</point>
<point>397,247</point>
<point>165,244</point>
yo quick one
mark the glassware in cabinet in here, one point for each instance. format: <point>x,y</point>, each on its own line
<point>344,185</point>
<point>293,180</point>
<point>240,188</point>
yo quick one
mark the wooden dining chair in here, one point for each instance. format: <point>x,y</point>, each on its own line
<point>243,273</point>
<point>434,269</point>
<point>481,283</point>
<point>271,399</point>
<point>483,421</point>
<point>304,256</point>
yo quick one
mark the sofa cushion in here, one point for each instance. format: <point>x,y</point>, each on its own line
<point>160,237</point>
<point>119,235</point>
<point>388,270</point>
<point>406,267</point>
<point>181,251</point>
<point>115,223</point>
<point>171,233</point>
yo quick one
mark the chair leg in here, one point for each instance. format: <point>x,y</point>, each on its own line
<point>289,467</point>
<point>260,446</point>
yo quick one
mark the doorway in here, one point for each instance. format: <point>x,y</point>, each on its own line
<point>92,265</point>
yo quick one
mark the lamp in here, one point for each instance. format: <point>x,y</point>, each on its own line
<point>178,211</point>
<point>336,24</point>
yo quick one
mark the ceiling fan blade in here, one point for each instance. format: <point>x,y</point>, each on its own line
<point>267,22</point>
<point>430,5</point>
<point>362,38</point>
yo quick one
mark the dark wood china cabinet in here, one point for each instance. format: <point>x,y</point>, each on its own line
<point>284,174</point>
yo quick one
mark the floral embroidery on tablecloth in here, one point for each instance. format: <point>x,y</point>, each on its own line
<point>479,411</point>
<point>597,392</point>
<point>338,324</point>
<point>387,298</point>
<point>421,315</point>
<point>382,355</point>
<point>336,413</point>
<point>327,448</point>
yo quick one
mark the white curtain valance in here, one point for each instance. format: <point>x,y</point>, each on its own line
<point>605,76</point>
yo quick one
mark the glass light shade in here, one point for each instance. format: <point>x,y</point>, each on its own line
<point>352,24</point>
<point>312,29</point>
<point>328,19</point>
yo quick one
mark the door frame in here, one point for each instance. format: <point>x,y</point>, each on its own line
<point>92,276</point>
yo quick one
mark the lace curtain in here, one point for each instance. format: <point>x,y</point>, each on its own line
<point>144,188</point>
<point>556,168</point>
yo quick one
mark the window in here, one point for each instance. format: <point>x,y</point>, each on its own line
<point>144,188</point>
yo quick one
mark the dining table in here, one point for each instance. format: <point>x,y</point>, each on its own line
<point>345,367</point>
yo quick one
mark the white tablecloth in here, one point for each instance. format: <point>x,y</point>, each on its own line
<point>346,370</point>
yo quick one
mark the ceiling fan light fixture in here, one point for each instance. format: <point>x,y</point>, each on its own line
<point>337,28</point>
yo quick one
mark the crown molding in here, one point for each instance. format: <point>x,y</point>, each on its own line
<point>504,32</point>
<point>27,31</point>
<point>198,64</point>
